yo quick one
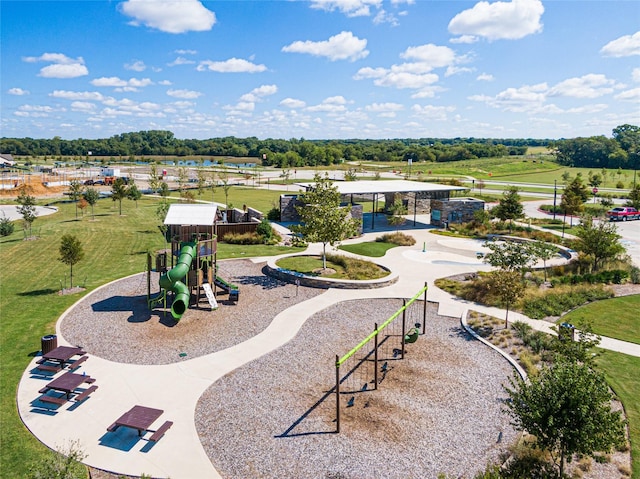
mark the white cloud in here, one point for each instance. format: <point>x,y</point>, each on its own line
<point>596,108</point>
<point>233,65</point>
<point>385,17</point>
<point>465,39</point>
<point>587,86</point>
<point>293,103</point>
<point>185,52</point>
<point>351,8</point>
<point>170,16</point>
<point>334,104</point>
<point>485,77</point>
<point>17,91</point>
<point>83,106</point>
<point>453,70</point>
<point>432,112</point>
<point>384,107</point>
<point>184,94</point>
<point>61,65</point>
<point>137,66</point>
<point>133,84</point>
<point>624,46</point>
<point>258,93</point>
<point>499,20</point>
<point>629,95</point>
<point>343,46</point>
<point>396,78</point>
<point>181,61</point>
<point>635,74</point>
<point>525,98</point>
<point>432,55</point>
<point>78,95</point>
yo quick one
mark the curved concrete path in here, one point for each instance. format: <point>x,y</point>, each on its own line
<point>176,388</point>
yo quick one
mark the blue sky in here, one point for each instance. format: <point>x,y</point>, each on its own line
<point>319,69</point>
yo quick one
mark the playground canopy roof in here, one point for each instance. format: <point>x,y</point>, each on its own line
<point>383,186</point>
<point>189,214</point>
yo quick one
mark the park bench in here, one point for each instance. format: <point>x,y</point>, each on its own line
<point>85,394</point>
<point>76,364</point>
<point>53,399</point>
<point>160,432</point>
<point>48,367</point>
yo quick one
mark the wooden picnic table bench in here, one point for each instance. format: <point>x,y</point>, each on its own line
<point>141,418</point>
<point>68,383</point>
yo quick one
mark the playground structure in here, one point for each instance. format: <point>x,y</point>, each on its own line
<point>368,363</point>
<point>193,261</point>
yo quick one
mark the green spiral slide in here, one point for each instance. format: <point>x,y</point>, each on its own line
<point>171,280</point>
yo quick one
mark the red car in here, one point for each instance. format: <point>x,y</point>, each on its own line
<point>623,213</point>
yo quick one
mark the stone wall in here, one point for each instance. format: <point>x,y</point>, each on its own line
<point>421,199</point>
<point>458,210</point>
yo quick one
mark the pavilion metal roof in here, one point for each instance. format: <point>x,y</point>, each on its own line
<point>383,186</point>
<point>190,214</point>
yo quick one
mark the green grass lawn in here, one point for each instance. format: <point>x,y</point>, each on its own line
<point>374,249</point>
<point>31,276</point>
<point>617,318</point>
<point>621,371</point>
<point>346,268</point>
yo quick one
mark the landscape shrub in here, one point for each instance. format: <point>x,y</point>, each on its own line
<point>273,214</point>
<point>243,238</point>
<point>265,230</point>
<point>357,269</point>
<point>615,276</point>
<point>397,238</point>
<point>554,303</point>
<point>6,226</point>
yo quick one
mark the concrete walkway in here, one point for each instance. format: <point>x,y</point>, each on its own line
<point>176,388</point>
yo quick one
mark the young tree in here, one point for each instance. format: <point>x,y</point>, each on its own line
<point>226,186</point>
<point>544,251</point>
<point>323,219</point>
<point>397,210</point>
<point>6,226</point>
<point>75,193</point>
<point>119,192</point>
<point>91,195</point>
<point>82,204</point>
<point>154,179</point>
<point>509,255</point>
<point>161,214</point>
<point>201,176</point>
<point>480,185</point>
<point>134,194</point>
<point>510,207</point>
<point>599,240</point>
<point>574,197</point>
<point>183,179</point>
<point>634,197</point>
<point>71,252</point>
<point>567,407</point>
<point>508,286</point>
<point>27,208</point>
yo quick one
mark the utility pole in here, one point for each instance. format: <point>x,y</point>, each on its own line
<point>555,195</point>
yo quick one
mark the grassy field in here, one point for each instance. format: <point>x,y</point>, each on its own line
<point>624,324</point>
<point>621,372</point>
<point>31,276</point>
<point>374,249</point>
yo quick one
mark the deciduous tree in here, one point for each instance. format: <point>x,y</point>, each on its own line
<point>323,219</point>
<point>91,195</point>
<point>75,193</point>
<point>71,252</point>
<point>27,208</point>
<point>567,407</point>
<point>599,240</point>
<point>510,207</point>
<point>119,192</point>
<point>508,286</point>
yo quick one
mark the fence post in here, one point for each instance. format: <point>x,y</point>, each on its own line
<point>424,309</point>
<point>337,394</point>
<point>375,356</point>
<point>404,325</point>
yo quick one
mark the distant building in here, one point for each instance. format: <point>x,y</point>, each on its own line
<point>6,160</point>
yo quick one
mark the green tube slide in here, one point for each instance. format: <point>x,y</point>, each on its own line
<point>171,280</point>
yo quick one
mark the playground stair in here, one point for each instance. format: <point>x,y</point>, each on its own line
<point>209,292</point>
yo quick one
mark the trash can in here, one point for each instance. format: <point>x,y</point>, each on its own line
<point>49,343</point>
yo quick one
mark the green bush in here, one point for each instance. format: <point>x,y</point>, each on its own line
<point>243,238</point>
<point>274,214</point>
<point>556,303</point>
<point>615,276</point>
<point>400,239</point>
<point>6,226</point>
<point>265,230</point>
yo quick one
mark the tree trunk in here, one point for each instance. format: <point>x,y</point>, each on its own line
<point>71,278</point>
<point>324,255</point>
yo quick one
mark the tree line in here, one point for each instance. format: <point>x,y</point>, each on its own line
<point>620,151</point>
<point>276,152</point>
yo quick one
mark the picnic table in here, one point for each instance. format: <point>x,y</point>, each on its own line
<point>60,355</point>
<point>68,383</point>
<point>141,418</point>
